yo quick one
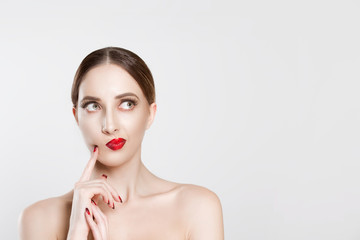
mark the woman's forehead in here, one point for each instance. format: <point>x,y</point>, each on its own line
<point>108,79</point>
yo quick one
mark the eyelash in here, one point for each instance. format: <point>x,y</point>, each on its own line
<point>132,101</point>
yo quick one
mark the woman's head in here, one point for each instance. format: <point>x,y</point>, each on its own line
<point>125,59</point>
<point>113,99</point>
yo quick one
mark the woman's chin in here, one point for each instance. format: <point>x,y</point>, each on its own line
<point>110,162</point>
<point>111,159</point>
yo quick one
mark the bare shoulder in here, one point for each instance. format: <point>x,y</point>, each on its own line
<point>202,212</point>
<point>44,219</point>
<point>193,195</point>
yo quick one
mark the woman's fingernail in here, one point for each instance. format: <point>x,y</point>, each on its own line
<point>113,205</point>
<point>104,176</point>
<point>108,202</point>
<point>95,148</point>
<point>87,211</point>
<point>120,199</point>
<point>93,202</point>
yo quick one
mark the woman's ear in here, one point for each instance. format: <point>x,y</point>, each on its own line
<point>75,115</point>
<point>152,109</point>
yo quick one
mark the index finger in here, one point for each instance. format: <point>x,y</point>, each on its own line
<point>90,166</point>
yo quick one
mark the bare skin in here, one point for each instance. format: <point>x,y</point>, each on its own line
<point>151,208</point>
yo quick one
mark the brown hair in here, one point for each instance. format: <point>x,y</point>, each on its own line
<point>126,59</point>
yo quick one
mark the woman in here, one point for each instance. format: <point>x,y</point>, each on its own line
<point>117,197</point>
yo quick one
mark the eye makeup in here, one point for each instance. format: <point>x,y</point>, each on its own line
<point>132,101</point>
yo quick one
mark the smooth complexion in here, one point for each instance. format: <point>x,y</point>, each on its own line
<point>112,105</point>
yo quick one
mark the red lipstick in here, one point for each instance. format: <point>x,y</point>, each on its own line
<point>116,143</point>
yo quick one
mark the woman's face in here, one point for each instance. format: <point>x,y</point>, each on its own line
<point>111,105</point>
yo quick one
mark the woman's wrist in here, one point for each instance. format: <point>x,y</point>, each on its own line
<point>77,233</point>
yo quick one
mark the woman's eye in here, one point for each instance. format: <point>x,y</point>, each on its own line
<point>92,107</point>
<point>127,105</point>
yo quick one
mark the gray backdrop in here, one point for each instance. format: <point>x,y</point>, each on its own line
<point>257,101</point>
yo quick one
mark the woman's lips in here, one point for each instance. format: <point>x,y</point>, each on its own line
<point>116,143</point>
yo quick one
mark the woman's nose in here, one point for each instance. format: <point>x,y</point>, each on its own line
<point>109,125</point>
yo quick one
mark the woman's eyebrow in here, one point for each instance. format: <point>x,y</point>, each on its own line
<point>116,97</point>
<point>126,94</point>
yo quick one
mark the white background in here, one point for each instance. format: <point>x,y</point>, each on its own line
<point>257,101</point>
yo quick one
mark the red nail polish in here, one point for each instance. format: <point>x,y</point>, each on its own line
<point>87,211</point>
<point>113,205</point>
<point>108,202</point>
<point>93,202</point>
<point>104,176</point>
<point>95,148</point>
<point>120,199</point>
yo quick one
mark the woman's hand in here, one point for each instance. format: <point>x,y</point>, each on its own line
<point>85,214</point>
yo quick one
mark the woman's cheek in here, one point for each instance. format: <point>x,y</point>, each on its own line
<point>136,128</point>
<point>88,129</point>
